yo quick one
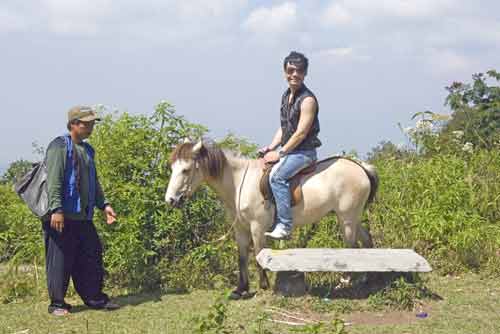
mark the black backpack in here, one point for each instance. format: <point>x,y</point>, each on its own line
<point>32,188</point>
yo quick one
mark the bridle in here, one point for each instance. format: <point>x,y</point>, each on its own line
<point>187,187</point>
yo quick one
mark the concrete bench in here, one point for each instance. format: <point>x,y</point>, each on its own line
<point>292,263</point>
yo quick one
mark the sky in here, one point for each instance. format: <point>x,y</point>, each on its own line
<point>373,64</point>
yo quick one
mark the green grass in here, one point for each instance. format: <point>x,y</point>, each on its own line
<point>470,304</point>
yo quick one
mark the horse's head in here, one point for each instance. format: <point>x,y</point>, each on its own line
<point>191,164</point>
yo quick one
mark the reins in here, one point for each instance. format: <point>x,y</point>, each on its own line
<point>237,215</point>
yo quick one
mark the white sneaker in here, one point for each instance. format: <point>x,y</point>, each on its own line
<point>279,232</point>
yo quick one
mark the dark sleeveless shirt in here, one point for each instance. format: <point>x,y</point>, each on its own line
<point>290,115</point>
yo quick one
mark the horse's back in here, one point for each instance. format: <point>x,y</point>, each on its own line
<point>341,183</point>
<point>339,170</point>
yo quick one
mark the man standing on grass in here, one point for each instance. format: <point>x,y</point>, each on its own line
<point>72,246</point>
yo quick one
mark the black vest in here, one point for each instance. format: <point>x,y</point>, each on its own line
<point>290,115</point>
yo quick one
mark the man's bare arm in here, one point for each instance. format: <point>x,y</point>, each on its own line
<point>276,139</point>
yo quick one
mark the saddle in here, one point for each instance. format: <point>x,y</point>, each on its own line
<point>295,181</point>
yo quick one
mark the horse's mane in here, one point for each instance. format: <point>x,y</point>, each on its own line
<point>211,158</point>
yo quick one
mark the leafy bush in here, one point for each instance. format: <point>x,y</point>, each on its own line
<point>20,230</point>
<point>16,170</point>
<point>447,207</point>
<point>207,266</point>
<point>150,237</point>
<point>439,196</point>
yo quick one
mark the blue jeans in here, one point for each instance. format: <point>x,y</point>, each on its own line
<point>282,172</point>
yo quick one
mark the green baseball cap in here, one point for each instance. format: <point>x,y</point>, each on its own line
<point>82,113</point>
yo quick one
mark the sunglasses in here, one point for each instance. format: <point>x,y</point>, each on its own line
<point>291,70</point>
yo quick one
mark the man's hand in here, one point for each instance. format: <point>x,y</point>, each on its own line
<point>271,156</point>
<point>57,221</point>
<point>263,150</point>
<point>110,214</point>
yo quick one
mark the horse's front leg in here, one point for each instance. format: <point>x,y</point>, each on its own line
<point>259,242</point>
<point>242,236</point>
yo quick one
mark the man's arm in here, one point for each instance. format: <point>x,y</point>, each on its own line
<point>102,204</point>
<point>274,143</point>
<point>56,160</point>
<point>100,200</point>
<point>308,109</point>
<point>56,156</point>
<point>276,139</point>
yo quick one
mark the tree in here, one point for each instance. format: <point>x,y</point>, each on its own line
<point>476,110</point>
<point>16,170</point>
<point>241,145</point>
<point>386,150</point>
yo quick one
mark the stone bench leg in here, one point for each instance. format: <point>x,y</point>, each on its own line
<point>290,284</point>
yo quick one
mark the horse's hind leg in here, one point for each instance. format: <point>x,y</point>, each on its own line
<point>354,232</point>
<point>365,236</point>
<point>349,223</point>
<point>259,242</point>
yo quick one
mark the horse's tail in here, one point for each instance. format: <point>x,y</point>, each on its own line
<point>371,172</point>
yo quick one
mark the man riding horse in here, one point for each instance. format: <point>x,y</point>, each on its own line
<point>337,184</point>
<point>298,137</point>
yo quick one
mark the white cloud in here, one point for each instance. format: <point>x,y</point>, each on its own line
<point>386,29</point>
<point>77,16</point>
<point>350,11</point>
<point>405,8</point>
<point>178,21</point>
<point>335,14</point>
<point>466,30</point>
<point>196,9</point>
<point>276,19</point>
<point>341,54</point>
<point>442,36</point>
<point>337,52</point>
<point>163,20</point>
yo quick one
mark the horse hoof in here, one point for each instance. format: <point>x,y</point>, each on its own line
<point>264,284</point>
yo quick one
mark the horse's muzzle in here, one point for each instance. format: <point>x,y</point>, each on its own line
<point>177,202</point>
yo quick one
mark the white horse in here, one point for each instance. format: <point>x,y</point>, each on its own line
<point>339,185</point>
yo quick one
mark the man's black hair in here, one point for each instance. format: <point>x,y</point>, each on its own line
<point>297,59</point>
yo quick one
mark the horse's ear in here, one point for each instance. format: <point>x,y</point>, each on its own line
<point>197,148</point>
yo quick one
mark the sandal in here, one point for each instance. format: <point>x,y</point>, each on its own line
<point>59,309</point>
<point>236,295</point>
<point>59,312</point>
<point>102,305</point>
